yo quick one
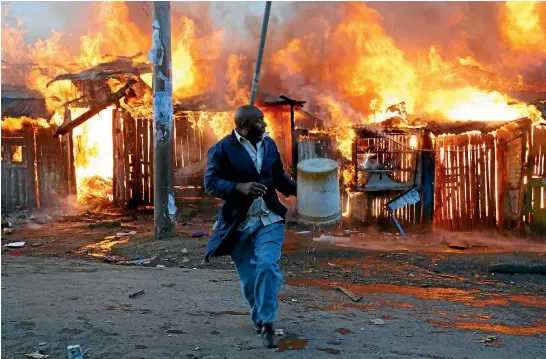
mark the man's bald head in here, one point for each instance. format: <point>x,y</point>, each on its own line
<point>245,113</point>
<point>250,123</point>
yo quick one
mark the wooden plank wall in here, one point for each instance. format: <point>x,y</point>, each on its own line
<point>133,160</point>
<point>18,177</point>
<point>535,202</point>
<point>192,139</point>
<point>479,179</point>
<point>52,178</point>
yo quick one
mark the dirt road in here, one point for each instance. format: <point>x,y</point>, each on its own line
<point>199,313</point>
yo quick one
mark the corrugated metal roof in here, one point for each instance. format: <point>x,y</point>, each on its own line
<point>29,107</point>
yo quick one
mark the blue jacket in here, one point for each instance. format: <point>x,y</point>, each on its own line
<point>229,164</point>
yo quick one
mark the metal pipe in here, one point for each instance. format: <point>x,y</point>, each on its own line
<point>260,53</point>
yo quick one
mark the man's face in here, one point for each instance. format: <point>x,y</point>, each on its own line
<point>255,127</point>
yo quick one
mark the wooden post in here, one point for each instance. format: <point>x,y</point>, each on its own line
<point>294,136</point>
<point>160,56</point>
<point>427,156</point>
<point>260,53</point>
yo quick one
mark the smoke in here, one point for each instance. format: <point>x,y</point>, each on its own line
<point>365,55</point>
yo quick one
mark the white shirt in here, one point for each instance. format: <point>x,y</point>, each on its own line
<point>258,210</point>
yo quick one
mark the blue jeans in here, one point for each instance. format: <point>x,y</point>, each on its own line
<point>255,257</point>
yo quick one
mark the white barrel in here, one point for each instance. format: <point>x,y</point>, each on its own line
<point>318,192</point>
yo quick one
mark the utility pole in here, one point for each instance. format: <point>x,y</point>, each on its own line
<point>160,57</point>
<point>260,53</point>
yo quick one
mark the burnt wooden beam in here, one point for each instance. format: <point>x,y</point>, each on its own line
<point>295,136</point>
<point>112,99</point>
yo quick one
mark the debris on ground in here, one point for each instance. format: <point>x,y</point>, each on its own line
<point>15,254</point>
<point>349,294</point>
<point>487,339</point>
<point>184,250</point>
<point>377,321</point>
<point>331,264</point>
<point>517,268</point>
<point>74,352</point>
<point>36,355</point>
<point>491,341</point>
<point>303,232</point>
<point>125,234</point>
<point>331,239</point>
<point>15,244</point>
<point>136,294</point>
<point>160,266</point>
<point>279,332</point>
<point>456,244</point>
<point>104,224</point>
<point>8,230</point>
<point>198,234</point>
<point>140,262</point>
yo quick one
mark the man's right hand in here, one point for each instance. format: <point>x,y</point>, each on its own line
<point>252,189</point>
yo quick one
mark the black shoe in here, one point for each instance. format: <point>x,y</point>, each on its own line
<point>269,338</point>
<point>257,328</point>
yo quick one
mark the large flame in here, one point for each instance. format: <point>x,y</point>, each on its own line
<point>343,60</point>
<point>524,25</point>
<point>93,149</point>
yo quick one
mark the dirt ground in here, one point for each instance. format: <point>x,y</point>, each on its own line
<point>70,283</point>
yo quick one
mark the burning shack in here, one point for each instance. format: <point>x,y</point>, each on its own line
<point>458,135</point>
<point>105,138</point>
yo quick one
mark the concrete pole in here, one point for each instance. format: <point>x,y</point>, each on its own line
<point>160,56</point>
<point>260,53</point>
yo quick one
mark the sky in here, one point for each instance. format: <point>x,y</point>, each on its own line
<point>40,18</point>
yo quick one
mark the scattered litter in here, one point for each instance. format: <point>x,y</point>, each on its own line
<point>15,254</point>
<point>125,234</point>
<point>279,332</point>
<point>8,230</point>
<point>362,329</point>
<point>36,355</point>
<point>74,352</point>
<point>347,233</point>
<point>330,239</point>
<point>517,268</point>
<point>136,294</point>
<point>456,244</point>
<point>294,300</point>
<point>487,339</point>
<point>15,244</point>
<point>349,294</point>
<point>331,264</point>
<point>377,321</point>
<point>200,234</point>
<point>196,348</point>
<point>36,244</point>
<point>184,250</point>
<point>303,232</point>
<point>139,262</point>
<point>290,274</point>
<point>42,344</point>
<point>160,266</point>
